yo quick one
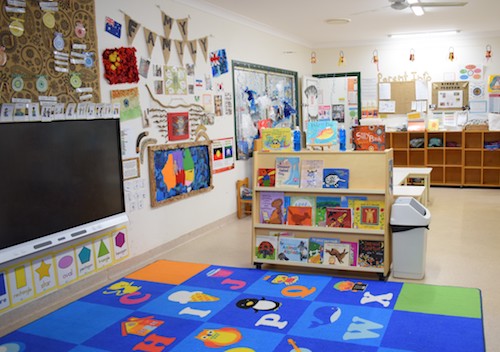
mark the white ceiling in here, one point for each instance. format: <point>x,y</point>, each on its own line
<point>303,21</point>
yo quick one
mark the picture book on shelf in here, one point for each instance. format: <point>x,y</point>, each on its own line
<point>271,207</point>
<point>353,254</point>
<point>371,253</point>
<point>276,139</point>
<point>321,204</point>
<point>287,171</point>
<point>317,247</point>
<point>321,132</point>
<point>336,254</point>
<point>304,201</point>
<point>335,178</point>
<point>299,216</point>
<point>348,201</point>
<point>368,137</point>
<point>339,217</point>
<point>266,177</point>
<point>293,249</point>
<point>369,214</point>
<point>311,172</point>
<point>266,247</point>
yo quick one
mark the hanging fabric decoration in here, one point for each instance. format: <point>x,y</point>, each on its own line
<point>132,28</point>
<point>488,52</point>
<point>204,47</point>
<point>183,27</point>
<point>341,58</point>
<point>451,55</point>
<point>150,40</point>
<point>166,47</point>
<point>313,57</point>
<point>375,58</point>
<point>192,46</point>
<point>167,24</point>
<point>412,55</point>
<point>179,45</point>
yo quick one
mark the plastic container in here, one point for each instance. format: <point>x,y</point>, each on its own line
<point>409,224</point>
<point>342,146</point>
<point>297,139</point>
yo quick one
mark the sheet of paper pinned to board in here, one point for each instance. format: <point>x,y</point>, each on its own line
<point>384,91</point>
<point>387,106</point>
<point>421,90</point>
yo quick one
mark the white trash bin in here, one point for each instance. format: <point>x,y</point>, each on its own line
<point>409,224</point>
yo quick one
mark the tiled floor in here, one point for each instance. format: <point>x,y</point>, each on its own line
<point>462,249</point>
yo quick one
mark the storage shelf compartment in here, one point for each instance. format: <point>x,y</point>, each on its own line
<point>430,135</point>
<point>417,157</point>
<point>437,175</point>
<point>400,158</point>
<point>491,158</point>
<point>472,158</point>
<point>472,176</point>
<point>491,177</point>
<point>399,140</point>
<point>453,139</point>
<point>435,156</point>
<point>453,157</point>
<point>453,175</point>
<point>473,140</point>
<point>319,266</point>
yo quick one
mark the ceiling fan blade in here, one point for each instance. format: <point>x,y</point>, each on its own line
<point>439,4</point>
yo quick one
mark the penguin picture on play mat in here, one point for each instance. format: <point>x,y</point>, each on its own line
<point>258,304</point>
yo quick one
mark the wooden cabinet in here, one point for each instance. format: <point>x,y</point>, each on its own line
<point>370,176</point>
<point>457,158</point>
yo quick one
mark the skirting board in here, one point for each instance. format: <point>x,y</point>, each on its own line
<point>17,317</point>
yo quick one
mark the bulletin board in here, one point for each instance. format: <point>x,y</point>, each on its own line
<point>403,94</point>
<point>30,39</point>
<point>262,94</point>
<point>450,95</point>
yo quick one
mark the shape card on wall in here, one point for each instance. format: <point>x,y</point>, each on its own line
<point>66,267</point>
<point>21,283</point>
<point>85,259</point>
<point>120,244</point>
<point>44,274</point>
<point>102,250</point>
<point>4,296</point>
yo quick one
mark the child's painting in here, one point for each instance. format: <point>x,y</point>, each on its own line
<point>178,126</point>
<point>177,171</point>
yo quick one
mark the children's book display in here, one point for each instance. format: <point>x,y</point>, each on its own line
<point>335,178</point>
<point>266,177</point>
<point>368,137</point>
<point>326,209</point>
<point>287,172</point>
<point>311,173</point>
<point>284,246</point>
<point>274,139</point>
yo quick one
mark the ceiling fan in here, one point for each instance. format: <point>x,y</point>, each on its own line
<point>417,6</point>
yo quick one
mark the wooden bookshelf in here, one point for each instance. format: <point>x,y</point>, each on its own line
<point>370,176</point>
<point>461,160</point>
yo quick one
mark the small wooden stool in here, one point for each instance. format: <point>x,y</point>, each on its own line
<point>244,204</point>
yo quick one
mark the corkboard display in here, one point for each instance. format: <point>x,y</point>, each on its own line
<point>31,55</point>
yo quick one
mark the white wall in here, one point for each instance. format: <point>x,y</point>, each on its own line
<point>431,57</point>
<point>151,227</point>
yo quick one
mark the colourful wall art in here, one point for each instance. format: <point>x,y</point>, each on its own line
<point>177,171</point>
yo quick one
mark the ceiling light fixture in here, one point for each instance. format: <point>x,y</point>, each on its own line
<point>417,10</point>
<point>423,34</point>
<point>338,20</point>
